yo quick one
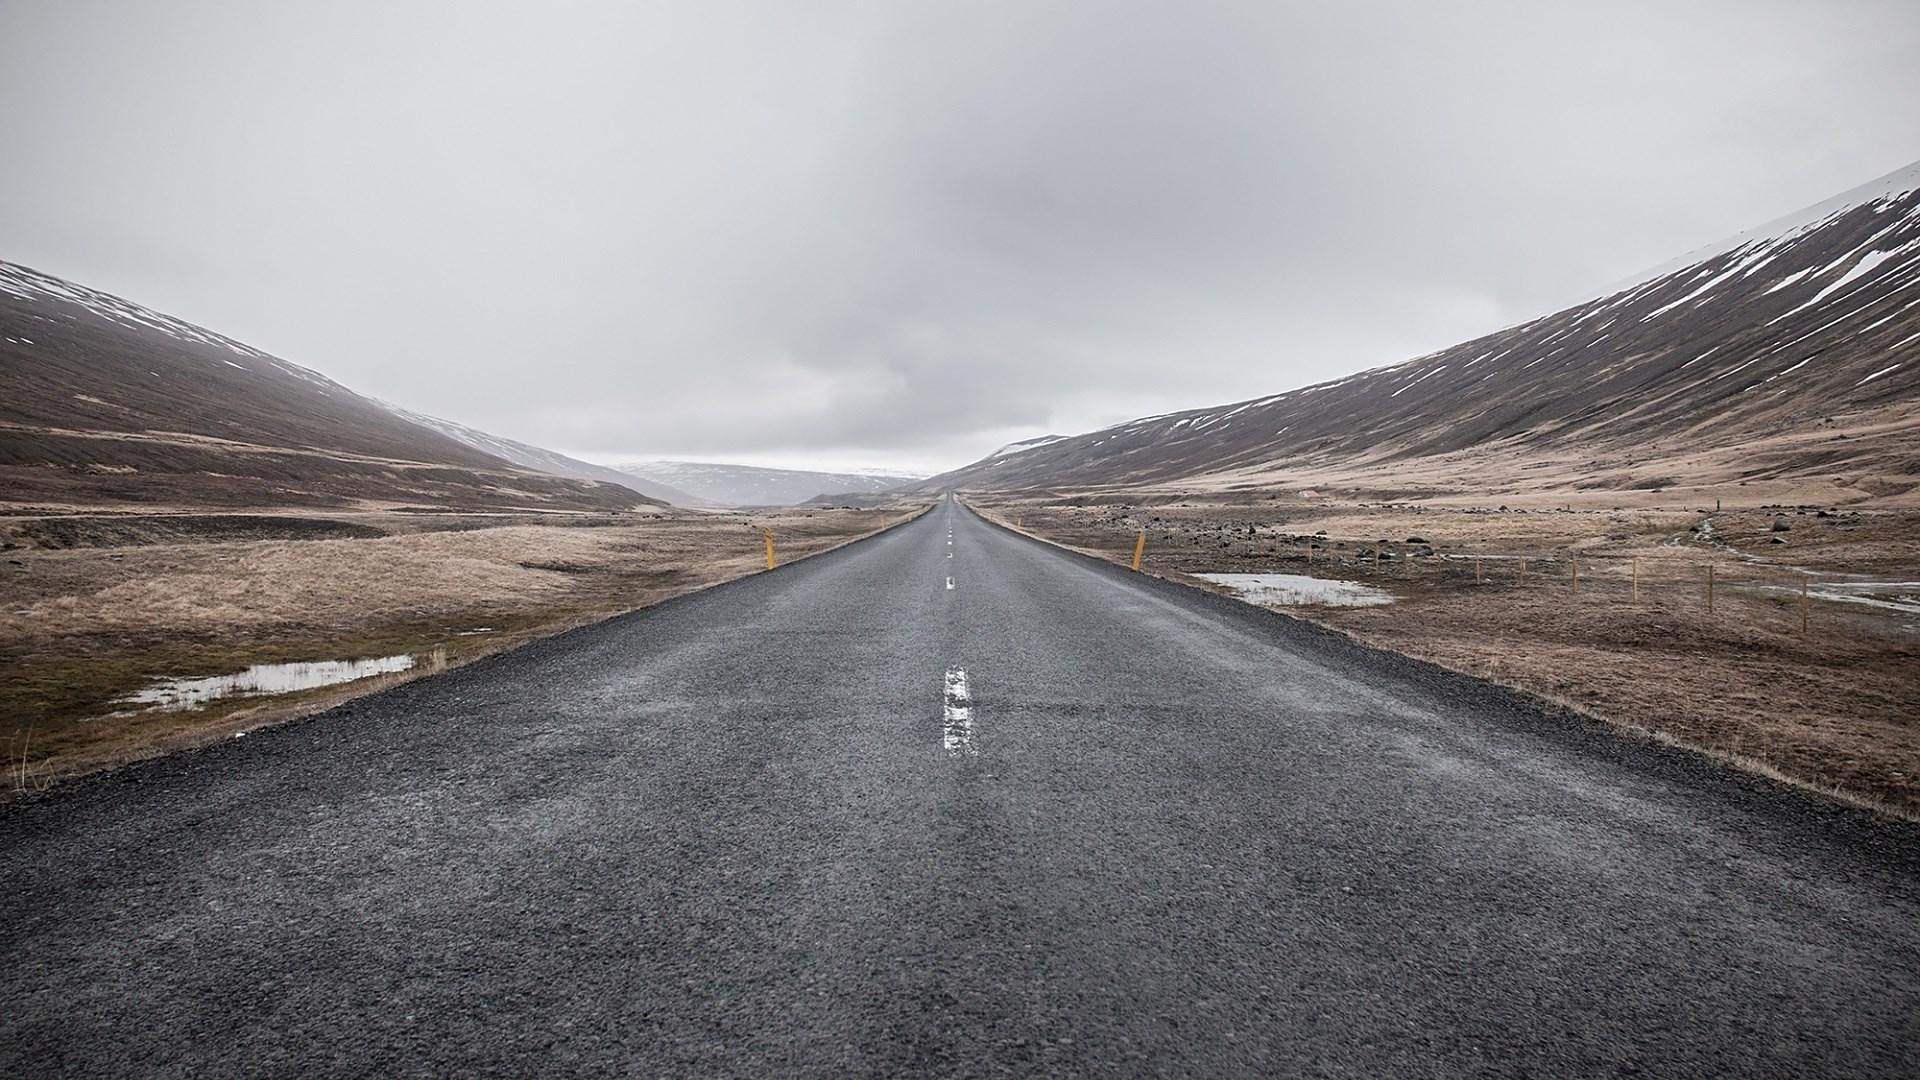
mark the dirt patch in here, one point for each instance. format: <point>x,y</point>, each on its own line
<point>1604,609</point>
<point>81,627</point>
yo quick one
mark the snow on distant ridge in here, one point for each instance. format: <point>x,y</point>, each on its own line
<point>1026,444</point>
<point>1887,188</point>
<point>754,485</point>
<point>538,458</point>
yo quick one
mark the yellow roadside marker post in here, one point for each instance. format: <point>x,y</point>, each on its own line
<point>770,562</point>
<point>1139,548</point>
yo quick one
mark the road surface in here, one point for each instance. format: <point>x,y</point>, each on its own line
<point>950,801</point>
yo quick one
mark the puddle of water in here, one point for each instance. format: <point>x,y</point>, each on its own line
<point>173,694</point>
<point>1901,596</point>
<point>1298,590</point>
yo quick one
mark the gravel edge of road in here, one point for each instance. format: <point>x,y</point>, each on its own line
<point>1797,807</point>
<point>131,772</point>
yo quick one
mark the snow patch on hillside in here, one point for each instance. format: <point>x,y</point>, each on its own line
<point>33,286</point>
<point>1025,445</point>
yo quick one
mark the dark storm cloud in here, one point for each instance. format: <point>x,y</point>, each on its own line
<point>905,233</point>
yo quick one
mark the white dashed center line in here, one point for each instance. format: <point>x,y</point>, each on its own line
<point>957,716</point>
<point>949,583</point>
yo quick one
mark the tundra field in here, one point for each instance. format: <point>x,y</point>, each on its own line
<point>1491,591</point>
<point>96,607</point>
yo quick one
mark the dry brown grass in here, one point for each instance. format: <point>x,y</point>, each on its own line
<point>82,627</point>
<point>1836,709</point>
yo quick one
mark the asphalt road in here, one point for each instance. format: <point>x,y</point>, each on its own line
<point>843,819</point>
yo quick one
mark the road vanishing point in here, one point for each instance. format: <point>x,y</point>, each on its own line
<point>886,812</point>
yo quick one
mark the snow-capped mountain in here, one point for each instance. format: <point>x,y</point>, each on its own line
<point>540,459</point>
<point>1789,351</point>
<point>753,485</point>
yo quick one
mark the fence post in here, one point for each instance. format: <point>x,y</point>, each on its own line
<point>770,562</point>
<point>1139,548</point>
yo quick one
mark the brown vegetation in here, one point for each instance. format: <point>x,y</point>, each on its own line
<point>95,607</point>
<point>1491,593</point>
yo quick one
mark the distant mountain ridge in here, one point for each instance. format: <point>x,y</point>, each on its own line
<point>540,459</point>
<point>1785,353</point>
<point>752,485</point>
<point>104,401</point>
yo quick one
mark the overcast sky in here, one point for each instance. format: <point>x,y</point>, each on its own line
<point>901,234</point>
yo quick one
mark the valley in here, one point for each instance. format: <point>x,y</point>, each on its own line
<point>960,540</point>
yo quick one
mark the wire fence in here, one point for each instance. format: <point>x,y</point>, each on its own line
<point>1704,580</point>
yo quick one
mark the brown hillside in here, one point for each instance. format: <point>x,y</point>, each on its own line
<point>103,401</point>
<point>1790,358</point>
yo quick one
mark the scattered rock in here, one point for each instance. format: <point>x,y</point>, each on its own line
<point>1781,524</point>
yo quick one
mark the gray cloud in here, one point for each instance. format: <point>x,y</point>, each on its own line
<point>901,234</point>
